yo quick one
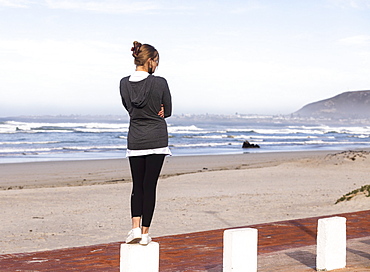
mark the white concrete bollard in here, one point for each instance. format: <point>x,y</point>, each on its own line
<point>138,258</point>
<point>331,243</point>
<point>240,250</point>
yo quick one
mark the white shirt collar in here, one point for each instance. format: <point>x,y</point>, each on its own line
<point>138,75</point>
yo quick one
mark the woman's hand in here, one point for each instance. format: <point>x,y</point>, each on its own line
<point>161,112</point>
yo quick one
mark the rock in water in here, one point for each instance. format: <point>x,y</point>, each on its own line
<point>247,144</point>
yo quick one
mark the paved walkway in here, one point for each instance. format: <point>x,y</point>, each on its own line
<point>282,246</point>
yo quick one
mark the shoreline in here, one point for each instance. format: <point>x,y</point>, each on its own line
<point>46,174</point>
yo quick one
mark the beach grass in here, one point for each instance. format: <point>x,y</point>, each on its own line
<point>363,190</point>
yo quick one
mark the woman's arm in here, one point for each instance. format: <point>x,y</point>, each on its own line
<point>167,101</point>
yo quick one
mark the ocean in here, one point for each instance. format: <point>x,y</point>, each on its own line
<point>53,138</point>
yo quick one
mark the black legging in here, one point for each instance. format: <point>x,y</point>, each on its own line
<point>145,171</point>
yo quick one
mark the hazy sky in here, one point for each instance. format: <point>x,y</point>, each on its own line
<point>265,57</point>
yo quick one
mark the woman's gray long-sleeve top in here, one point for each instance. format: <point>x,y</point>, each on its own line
<point>143,100</point>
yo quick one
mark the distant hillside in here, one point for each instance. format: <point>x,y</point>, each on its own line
<point>346,105</point>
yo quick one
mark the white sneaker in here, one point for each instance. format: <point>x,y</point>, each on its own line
<point>133,236</point>
<point>145,239</point>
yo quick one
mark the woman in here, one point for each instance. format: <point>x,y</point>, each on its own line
<point>147,99</point>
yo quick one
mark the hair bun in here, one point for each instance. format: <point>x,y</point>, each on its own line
<point>136,49</point>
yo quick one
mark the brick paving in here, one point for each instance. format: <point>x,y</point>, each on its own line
<point>199,251</point>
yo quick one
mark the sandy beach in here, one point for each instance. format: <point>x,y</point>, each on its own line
<point>50,205</point>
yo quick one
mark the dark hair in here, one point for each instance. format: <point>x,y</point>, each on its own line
<point>143,52</point>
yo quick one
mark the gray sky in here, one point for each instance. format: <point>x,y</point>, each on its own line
<point>221,57</point>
